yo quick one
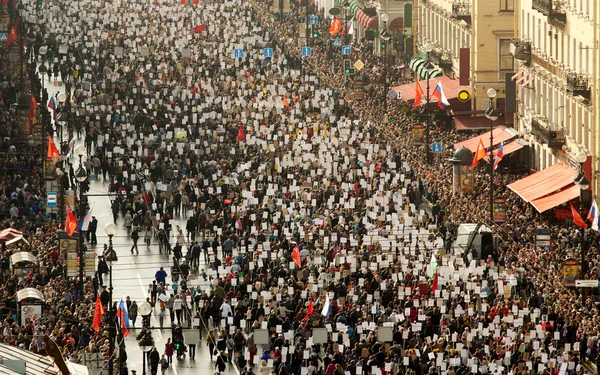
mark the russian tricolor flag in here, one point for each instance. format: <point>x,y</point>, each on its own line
<point>499,155</point>
<point>84,223</point>
<point>441,97</point>
<point>326,307</point>
<point>593,215</point>
<point>123,315</point>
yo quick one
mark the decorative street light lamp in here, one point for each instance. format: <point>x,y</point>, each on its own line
<point>81,176</point>
<point>492,114</point>
<point>429,68</point>
<point>146,343</point>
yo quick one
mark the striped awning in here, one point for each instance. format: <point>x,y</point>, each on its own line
<point>417,65</point>
<point>367,21</point>
<point>354,6</point>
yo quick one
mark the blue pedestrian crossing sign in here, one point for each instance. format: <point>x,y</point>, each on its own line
<point>313,20</point>
<point>268,52</point>
<point>436,147</point>
<point>346,50</point>
<point>3,37</point>
<point>336,42</point>
<point>238,53</point>
<point>306,51</point>
<point>391,94</point>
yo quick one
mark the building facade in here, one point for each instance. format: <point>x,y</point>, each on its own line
<point>557,79</point>
<point>471,40</point>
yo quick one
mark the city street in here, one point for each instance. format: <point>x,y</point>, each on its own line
<point>132,275</point>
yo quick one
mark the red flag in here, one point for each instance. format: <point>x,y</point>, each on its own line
<point>99,311</point>
<point>71,222</point>
<point>195,2</point>
<point>241,135</point>
<point>336,26</point>
<point>356,188</point>
<point>12,35</point>
<point>199,28</point>
<point>194,91</point>
<point>434,285</point>
<point>310,308</point>
<point>285,102</point>
<point>418,95</point>
<point>52,150</point>
<point>577,218</point>
<point>32,107</point>
<point>479,154</point>
<point>296,256</point>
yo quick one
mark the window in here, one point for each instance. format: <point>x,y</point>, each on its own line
<point>506,59</point>
<point>507,5</point>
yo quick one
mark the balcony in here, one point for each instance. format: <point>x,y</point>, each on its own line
<point>441,58</point>
<point>461,10</point>
<point>554,138</point>
<point>521,50</point>
<point>552,9</point>
<point>579,85</point>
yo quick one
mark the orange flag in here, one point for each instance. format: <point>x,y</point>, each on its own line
<point>336,26</point>
<point>479,154</point>
<point>577,218</point>
<point>32,107</point>
<point>71,222</point>
<point>285,102</point>
<point>418,95</point>
<point>296,256</point>
<point>99,311</point>
<point>52,150</point>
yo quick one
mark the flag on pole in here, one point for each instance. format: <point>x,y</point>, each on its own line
<point>479,154</point>
<point>84,223</point>
<point>499,155</point>
<point>71,222</point>
<point>441,97</point>
<point>326,307</point>
<point>52,150</point>
<point>32,107</point>
<point>432,268</point>
<point>99,311</point>
<point>199,28</point>
<point>12,35</point>
<point>593,215</point>
<point>434,285</point>
<point>349,28</point>
<point>577,218</point>
<point>296,256</point>
<point>285,102</point>
<point>52,106</point>
<point>336,26</point>
<point>123,316</point>
<point>241,135</point>
<point>418,95</point>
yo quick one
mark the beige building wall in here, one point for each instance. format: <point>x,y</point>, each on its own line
<point>488,27</point>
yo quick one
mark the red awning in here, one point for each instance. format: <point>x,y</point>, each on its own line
<point>509,148</point>
<point>475,123</point>
<point>451,88</point>
<point>556,199</point>
<point>501,134</point>
<point>397,24</point>
<point>366,20</point>
<point>543,183</point>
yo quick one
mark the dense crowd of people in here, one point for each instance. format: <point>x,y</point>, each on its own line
<point>301,205</point>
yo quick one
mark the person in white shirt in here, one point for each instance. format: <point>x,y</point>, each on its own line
<point>226,310</point>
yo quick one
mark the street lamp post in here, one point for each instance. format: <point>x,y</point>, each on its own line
<point>146,343</point>
<point>491,115</point>
<point>111,256</point>
<point>429,68</point>
<point>584,184</point>
<point>81,176</point>
<point>384,37</point>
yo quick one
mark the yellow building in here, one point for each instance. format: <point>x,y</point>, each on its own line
<point>471,40</point>
<point>556,44</point>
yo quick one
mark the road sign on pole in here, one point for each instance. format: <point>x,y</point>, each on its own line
<point>238,53</point>
<point>313,20</point>
<point>3,37</point>
<point>436,147</point>
<point>586,283</point>
<point>51,201</point>
<point>391,94</point>
<point>306,51</point>
<point>336,42</point>
<point>268,52</point>
<point>346,50</point>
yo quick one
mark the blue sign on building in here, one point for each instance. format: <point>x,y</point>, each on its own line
<point>306,51</point>
<point>346,50</point>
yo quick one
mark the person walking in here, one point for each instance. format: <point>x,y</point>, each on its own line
<point>178,307</point>
<point>221,364</point>
<point>133,313</point>
<point>91,232</point>
<point>211,340</point>
<point>191,338</point>
<point>164,364</point>
<point>135,236</point>
<point>154,361</point>
<point>169,350</point>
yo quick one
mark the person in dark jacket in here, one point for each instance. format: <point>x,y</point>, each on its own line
<point>154,361</point>
<point>221,362</point>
